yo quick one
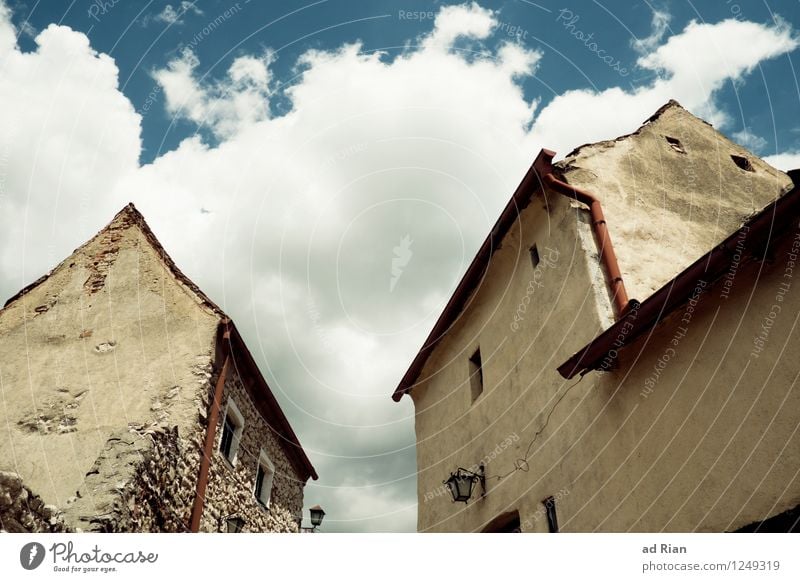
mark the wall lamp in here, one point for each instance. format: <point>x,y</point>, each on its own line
<point>317,513</point>
<point>462,482</point>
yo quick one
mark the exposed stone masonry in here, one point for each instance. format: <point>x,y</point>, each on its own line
<point>23,511</point>
<point>230,489</point>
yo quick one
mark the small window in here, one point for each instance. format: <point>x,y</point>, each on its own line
<point>505,523</point>
<point>552,518</point>
<point>264,476</point>
<point>476,375</point>
<point>675,144</point>
<point>534,256</point>
<point>742,162</point>
<point>231,432</point>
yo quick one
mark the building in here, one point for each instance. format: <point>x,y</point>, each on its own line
<point>583,409</point>
<point>130,402</point>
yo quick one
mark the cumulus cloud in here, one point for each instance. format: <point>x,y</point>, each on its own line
<point>751,141</point>
<point>67,137</point>
<point>237,101</point>
<point>658,28</point>
<point>690,67</point>
<point>174,14</point>
<point>460,21</point>
<point>785,161</point>
<point>292,222</point>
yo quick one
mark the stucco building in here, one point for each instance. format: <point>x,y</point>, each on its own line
<point>591,411</point>
<point>130,402</point>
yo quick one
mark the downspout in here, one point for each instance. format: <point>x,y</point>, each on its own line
<point>607,255</point>
<point>208,447</point>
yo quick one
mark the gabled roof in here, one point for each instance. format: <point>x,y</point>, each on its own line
<point>530,185</point>
<point>473,278</point>
<point>246,366</point>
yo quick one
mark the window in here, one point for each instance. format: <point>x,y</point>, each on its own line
<point>264,476</point>
<point>534,256</point>
<point>743,163</point>
<point>675,144</point>
<point>505,523</point>
<point>476,374</point>
<point>552,518</point>
<point>231,432</point>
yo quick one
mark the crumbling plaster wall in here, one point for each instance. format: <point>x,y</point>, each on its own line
<point>667,204</point>
<point>110,339</point>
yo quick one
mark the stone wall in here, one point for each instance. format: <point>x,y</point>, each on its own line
<point>230,488</point>
<point>23,511</point>
<point>143,481</point>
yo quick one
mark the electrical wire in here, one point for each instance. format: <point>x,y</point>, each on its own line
<point>521,464</point>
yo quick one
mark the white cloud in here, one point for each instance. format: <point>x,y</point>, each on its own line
<point>67,137</point>
<point>173,15</point>
<point>460,21</point>
<point>785,161</point>
<point>658,28</point>
<point>239,100</point>
<point>690,67</point>
<point>751,141</point>
<point>307,208</point>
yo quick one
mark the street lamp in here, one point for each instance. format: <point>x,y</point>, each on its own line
<point>316,516</point>
<point>463,481</point>
<point>316,519</point>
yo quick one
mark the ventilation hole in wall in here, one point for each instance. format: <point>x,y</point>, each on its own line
<point>742,162</point>
<point>675,144</point>
<point>534,256</point>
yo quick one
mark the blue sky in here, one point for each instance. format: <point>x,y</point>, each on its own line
<point>287,153</point>
<point>139,42</point>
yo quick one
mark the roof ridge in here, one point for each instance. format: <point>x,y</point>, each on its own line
<point>136,218</point>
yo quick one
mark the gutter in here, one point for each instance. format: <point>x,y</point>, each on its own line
<point>211,433</point>
<point>753,238</point>
<point>539,175</point>
<point>607,255</point>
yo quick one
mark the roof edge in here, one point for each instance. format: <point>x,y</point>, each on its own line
<point>277,420</point>
<point>530,184</point>
<point>751,239</point>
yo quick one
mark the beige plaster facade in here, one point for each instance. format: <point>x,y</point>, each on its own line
<point>107,372</point>
<point>696,429</point>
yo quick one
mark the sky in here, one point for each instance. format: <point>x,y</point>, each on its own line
<point>326,170</point>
